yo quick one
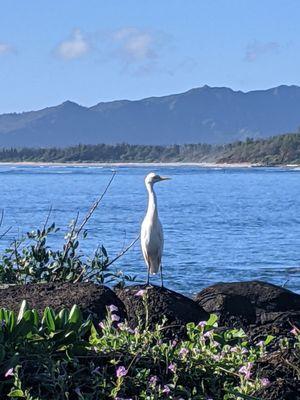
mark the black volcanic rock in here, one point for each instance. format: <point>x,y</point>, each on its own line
<point>92,299</point>
<point>207,115</point>
<point>178,309</point>
<point>245,303</point>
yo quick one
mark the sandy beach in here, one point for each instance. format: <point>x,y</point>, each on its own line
<point>99,164</point>
<point>134,164</point>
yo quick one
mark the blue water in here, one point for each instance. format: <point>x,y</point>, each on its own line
<point>219,224</point>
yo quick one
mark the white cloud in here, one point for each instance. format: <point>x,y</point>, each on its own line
<point>257,49</point>
<point>5,48</point>
<point>76,46</point>
<point>134,45</point>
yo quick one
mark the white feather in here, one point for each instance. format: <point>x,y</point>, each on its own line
<point>152,238</point>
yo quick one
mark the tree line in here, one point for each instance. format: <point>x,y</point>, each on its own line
<point>282,149</point>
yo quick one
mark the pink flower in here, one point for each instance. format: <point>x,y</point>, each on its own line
<point>174,343</point>
<point>112,308</point>
<point>166,389</point>
<point>121,371</point>
<point>140,293</point>
<point>153,380</point>
<point>246,370</point>
<point>295,331</point>
<point>202,324</point>
<point>101,325</point>
<point>172,367</point>
<point>9,372</point>
<point>183,352</point>
<point>209,334</point>
<point>261,343</point>
<point>265,382</point>
<point>115,317</point>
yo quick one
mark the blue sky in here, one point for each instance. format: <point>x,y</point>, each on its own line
<point>93,50</point>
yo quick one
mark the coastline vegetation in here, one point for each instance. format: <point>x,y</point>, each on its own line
<point>63,356</point>
<point>277,150</point>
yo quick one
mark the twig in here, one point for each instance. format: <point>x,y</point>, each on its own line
<point>47,219</point>
<point>71,238</point>
<point>118,256</point>
<point>2,216</point>
<point>123,251</point>
<point>75,233</point>
<point>7,230</point>
<point>95,205</point>
<point>17,258</point>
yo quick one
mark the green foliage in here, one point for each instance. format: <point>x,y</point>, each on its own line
<point>61,356</point>
<point>32,260</point>
<point>280,149</point>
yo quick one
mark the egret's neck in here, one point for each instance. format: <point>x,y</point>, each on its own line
<point>152,202</point>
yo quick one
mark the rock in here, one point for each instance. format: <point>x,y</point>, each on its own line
<point>282,369</point>
<point>245,303</point>
<point>278,324</point>
<point>178,309</point>
<point>91,298</point>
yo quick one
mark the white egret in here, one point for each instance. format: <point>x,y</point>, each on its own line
<point>152,238</point>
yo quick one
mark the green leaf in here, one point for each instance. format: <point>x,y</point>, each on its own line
<point>243,396</point>
<point>213,318</point>
<point>75,315</point>
<point>61,319</point>
<point>35,318</point>
<point>12,321</point>
<point>103,249</point>
<point>269,339</point>
<point>85,327</point>
<point>49,319</point>
<point>22,310</point>
<point>94,337</point>
<point>16,393</point>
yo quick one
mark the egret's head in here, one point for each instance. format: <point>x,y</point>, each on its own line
<point>153,178</point>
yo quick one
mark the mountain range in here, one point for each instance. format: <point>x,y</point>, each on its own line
<point>213,115</point>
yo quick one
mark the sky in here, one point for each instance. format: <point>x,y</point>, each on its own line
<point>89,51</point>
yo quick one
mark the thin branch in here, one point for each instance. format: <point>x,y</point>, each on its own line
<point>71,238</point>
<point>90,276</point>
<point>2,216</point>
<point>123,251</point>
<point>75,233</point>
<point>95,205</point>
<point>48,216</point>
<point>7,230</point>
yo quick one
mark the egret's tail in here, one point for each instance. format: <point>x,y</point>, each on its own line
<point>154,268</point>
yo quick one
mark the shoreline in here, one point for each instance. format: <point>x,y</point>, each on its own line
<point>142,164</point>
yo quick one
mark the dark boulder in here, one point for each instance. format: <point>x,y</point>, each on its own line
<point>91,298</point>
<point>178,309</point>
<point>245,303</point>
<point>281,368</point>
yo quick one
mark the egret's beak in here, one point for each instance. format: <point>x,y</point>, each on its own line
<point>164,178</point>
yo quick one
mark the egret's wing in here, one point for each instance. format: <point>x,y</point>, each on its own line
<point>160,235</point>
<point>152,244</point>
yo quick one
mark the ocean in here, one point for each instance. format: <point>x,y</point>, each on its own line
<point>220,224</point>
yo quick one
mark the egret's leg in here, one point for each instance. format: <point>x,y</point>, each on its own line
<point>148,277</point>
<point>161,276</point>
